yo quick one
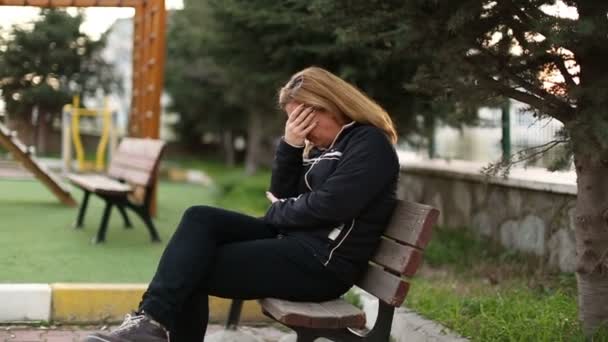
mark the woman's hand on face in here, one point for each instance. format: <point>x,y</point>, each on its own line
<point>271,197</point>
<point>299,123</point>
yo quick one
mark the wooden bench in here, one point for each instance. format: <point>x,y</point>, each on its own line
<point>129,183</point>
<point>398,256</point>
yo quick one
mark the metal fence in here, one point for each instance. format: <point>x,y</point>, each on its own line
<point>494,136</point>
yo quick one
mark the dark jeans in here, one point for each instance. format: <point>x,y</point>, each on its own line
<point>231,255</point>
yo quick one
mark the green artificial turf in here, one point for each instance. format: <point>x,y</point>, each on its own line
<point>38,243</point>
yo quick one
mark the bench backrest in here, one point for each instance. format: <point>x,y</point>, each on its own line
<point>135,160</point>
<point>400,252</point>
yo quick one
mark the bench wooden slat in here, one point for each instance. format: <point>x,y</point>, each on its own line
<point>146,148</point>
<point>332,314</point>
<point>100,184</point>
<point>412,223</point>
<point>305,314</point>
<point>384,285</point>
<point>350,316</point>
<point>130,175</point>
<point>399,258</point>
<point>135,160</point>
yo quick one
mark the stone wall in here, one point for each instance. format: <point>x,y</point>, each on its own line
<point>531,211</point>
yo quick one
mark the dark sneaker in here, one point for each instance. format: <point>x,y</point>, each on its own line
<point>135,328</point>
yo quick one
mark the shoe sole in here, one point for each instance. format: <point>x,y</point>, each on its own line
<point>92,338</point>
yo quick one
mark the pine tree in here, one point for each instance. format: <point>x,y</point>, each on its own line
<point>43,65</point>
<point>555,62</point>
<point>235,54</point>
<point>197,85</point>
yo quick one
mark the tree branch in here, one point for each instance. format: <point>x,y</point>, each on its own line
<point>537,102</point>
<point>528,19</point>
<point>521,156</point>
<point>560,63</point>
<point>555,101</point>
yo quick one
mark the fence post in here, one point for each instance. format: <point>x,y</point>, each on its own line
<point>506,129</point>
<point>430,124</point>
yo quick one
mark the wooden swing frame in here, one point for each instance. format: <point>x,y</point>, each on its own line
<point>149,41</point>
<point>148,56</point>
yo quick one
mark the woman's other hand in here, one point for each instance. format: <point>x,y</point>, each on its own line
<point>300,122</point>
<point>272,198</point>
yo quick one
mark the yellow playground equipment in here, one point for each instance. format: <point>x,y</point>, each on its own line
<point>71,131</point>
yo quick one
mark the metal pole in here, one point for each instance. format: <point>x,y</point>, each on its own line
<point>66,141</point>
<point>506,130</point>
<point>430,124</point>
<point>234,315</point>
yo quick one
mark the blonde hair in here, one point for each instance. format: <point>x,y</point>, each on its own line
<point>320,88</point>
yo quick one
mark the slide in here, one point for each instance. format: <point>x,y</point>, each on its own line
<point>20,152</point>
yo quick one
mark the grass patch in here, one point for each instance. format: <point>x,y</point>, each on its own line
<point>353,298</point>
<point>232,188</point>
<point>461,250</point>
<point>38,243</point>
<point>501,314</point>
<point>487,293</point>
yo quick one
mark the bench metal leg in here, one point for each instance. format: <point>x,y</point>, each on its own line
<point>145,216</point>
<point>82,211</point>
<point>305,336</point>
<point>234,315</point>
<point>381,331</point>
<point>125,217</point>
<point>101,233</point>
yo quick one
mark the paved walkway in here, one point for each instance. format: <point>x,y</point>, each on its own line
<point>76,334</point>
<point>12,170</point>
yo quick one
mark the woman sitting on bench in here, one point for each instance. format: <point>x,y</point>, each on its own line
<point>332,190</point>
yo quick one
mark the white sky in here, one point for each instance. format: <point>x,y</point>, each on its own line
<point>99,19</point>
<point>96,22</point>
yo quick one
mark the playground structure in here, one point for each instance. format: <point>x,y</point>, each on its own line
<point>71,130</point>
<point>22,153</point>
<point>148,56</point>
<point>148,68</point>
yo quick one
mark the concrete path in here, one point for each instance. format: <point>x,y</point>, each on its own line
<point>266,333</point>
<point>12,170</point>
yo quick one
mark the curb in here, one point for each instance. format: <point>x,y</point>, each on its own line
<point>93,303</point>
<point>108,303</point>
<point>25,302</point>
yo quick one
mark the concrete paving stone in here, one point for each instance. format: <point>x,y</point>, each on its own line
<point>25,335</point>
<point>81,334</point>
<point>269,333</point>
<point>60,336</point>
<point>264,333</point>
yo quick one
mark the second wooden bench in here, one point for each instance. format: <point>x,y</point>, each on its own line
<point>129,183</point>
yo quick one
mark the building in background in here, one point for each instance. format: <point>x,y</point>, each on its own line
<point>119,52</point>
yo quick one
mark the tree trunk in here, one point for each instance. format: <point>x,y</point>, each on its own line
<point>228,147</point>
<point>592,238</point>
<point>43,132</point>
<point>254,142</point>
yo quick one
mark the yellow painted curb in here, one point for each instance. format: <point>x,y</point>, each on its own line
<point>93,303</point>
<point>251,313</point>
